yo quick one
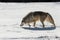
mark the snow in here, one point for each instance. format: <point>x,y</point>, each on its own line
<point>11,15</point>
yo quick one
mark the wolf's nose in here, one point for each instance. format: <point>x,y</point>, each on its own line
<point>21,25</point>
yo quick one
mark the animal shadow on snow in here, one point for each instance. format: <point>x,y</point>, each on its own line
<point>38,28</point>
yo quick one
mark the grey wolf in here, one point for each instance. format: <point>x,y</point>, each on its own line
<point>35,16</point>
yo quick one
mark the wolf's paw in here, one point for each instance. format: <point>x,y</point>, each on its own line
<point>35,27</point>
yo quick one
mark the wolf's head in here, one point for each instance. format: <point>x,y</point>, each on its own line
<point>23,22</point>
<point>26,19</point>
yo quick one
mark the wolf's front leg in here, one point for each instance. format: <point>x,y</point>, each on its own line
<point>34,24</point>
<point>29,25</point>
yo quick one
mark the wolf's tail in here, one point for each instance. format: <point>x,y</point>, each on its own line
<point>50,19</point>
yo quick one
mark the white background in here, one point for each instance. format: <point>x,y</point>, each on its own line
<point>11,15</point>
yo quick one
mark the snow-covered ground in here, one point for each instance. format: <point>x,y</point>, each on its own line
<point>11,15</point>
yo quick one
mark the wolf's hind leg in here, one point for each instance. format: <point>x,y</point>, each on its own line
<point>49,19</point>
<point>42,21</point>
